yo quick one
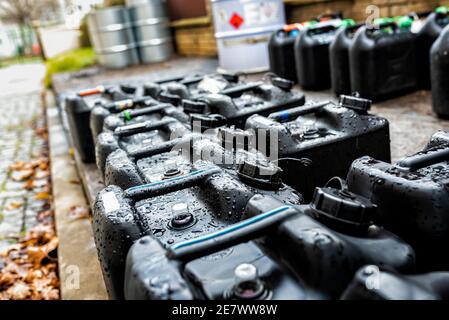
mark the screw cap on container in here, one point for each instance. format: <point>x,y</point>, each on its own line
<point>282,83</point>
<point>170,98</point>
<point>260,173</point>
<point>190,106</point>
<point>206,122</point>
<point>343,207</point>
<point>128,88</point>
<point>247,284</point>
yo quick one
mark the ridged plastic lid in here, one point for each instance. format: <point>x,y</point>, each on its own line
<point>261,174</point>
<point>442,9</point>
<point>190,106</point>
<point>205,122</point>
<point>344,207</point>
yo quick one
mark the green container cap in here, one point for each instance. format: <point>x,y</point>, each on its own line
<point>442,9</point>
<point>405,22</point>
<point>347,22</point>
<point>383,20</point>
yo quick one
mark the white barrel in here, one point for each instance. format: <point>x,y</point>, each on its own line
<point>243,29</point>
<point>152,29</point>
<point>110,30</point>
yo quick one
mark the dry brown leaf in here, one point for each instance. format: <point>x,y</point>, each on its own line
<point>79,212</point>
<point>17,166</point>
<point>19,291</point>
<point>13,205</point>
<point>22,175</point>
<point>42,196</point>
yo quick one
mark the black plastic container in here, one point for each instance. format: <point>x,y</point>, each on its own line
<point>339,59</point>
<point>440,74</point>
<point>174,90</point>
<point>312,55</point>
<point>327,241</point>
<point>413,199</point>
<point>282,54</point>
<point>238,103</point>
<point>383,61</point>
<point>225,265</point>
<point>373,283</point>
<point>281,47</point>
<point>430,31</point>
<point>317,142</point>
<point>154,113</point>
<point>183,205</point>
<point>135,139</point>
<point>103,109</point>
<point>78,108</point>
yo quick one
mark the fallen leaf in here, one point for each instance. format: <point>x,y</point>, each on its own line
<point>19,291</point>
<point>17,166</point>
<point>22,175</point>
<point>79,212</point>
<point>13,205</point>
<point>42,196</point>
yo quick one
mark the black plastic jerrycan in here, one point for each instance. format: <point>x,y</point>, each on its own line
<point>135,139</point>
<point>104,109</point>
<point>125,155</point>
<point>383,60</point>
<point>282,53</point>
<point>225,265</point>
<point>181,206</point>
<point>225,147</point>
<point>281,50</point>
<point>327,241</point>
<point>281,47</point>
<point>240,102</point>
<point>320,141</point>
<point>78,108</point>
<point>440,74</point>
<point>339,59</point>
<point>174,90</point>
<point>374,283</point>
<point>429,32</point>
<point>312,54</point>
<point>413,199</point>
<point>133,116</point>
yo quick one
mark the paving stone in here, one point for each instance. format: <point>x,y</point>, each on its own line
<point>18,143</point>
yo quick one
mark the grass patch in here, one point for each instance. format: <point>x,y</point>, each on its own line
<point>69,61</point>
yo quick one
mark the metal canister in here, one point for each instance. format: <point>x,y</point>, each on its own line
<point>152,29</point>
<point>112,36</point>
<point>243,29</point>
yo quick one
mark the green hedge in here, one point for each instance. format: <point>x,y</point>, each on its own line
<point>69,61</point>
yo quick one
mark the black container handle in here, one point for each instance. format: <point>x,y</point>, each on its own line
<point>244,231</point>
<point>168,80</point>
<point>238,90</point>
<point>354,27</point>
<point>120,105</point>
<point>332,15</point>
<point>289,114</point>
<point>421,160</point>
<point>146,126</point>
<point>130,114</point>
<point>171,185</point>
<point>381,26</point>
<point>324,29</point>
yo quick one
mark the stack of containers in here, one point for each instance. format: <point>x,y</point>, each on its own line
<point>124,36</point>
<point>151,29</point>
